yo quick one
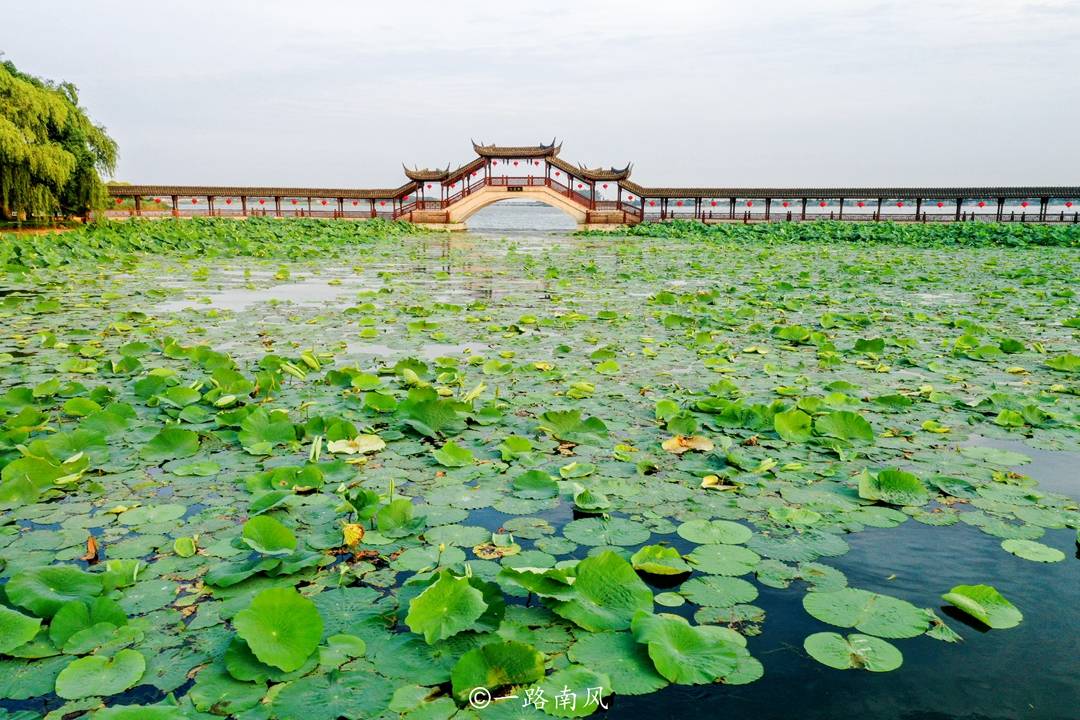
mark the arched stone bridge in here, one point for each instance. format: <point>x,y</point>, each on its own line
<point>595,197</point>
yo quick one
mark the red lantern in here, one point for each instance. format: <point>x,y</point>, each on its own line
<point>982,204</point>
<point>429,186</point>
<point>652,203</point>
<point>515,163</point>
<point>679,203</point>
<point>194,201</point>
<point>263,202</point>
<point>899,204</point>
<point>228,201</point>
<point>474,173</point>
<point>353,202</point>
<point>579,186</point>
<point>536,162</point>
<point>118,201</point>
<point>157,200</point>
<point>557,173</point>
<point>382,202</point>
<point>1024,204</point>
<point>407,197</point>
<point>294,202</point>
<point>749,203</point>
<point>453,185</point>
<point>823,203</point>
<point>605,186</point>
<point>785,203</point>
<point>1068,204</point>
<point>323,202</point>
<point>861,204</point>
<point>940,204</point>
<point>714,203</point>
<point>631,197</point>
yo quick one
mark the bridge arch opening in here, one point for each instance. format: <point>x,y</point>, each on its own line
<point>521,215</point>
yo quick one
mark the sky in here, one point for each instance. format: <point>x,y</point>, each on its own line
<point>693,92</point>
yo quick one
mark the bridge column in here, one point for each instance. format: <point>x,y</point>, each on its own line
<point>918,208</point>
<point>803,215</point>
<point>959,204</point>
<point>877,215</point>
<point>1044,206</point>
<point>277,206</point>
<point>138,205</point>
<point>841,208</point>
<point>243,205</point>
<point>768,208</point>
<point>176,206</point>
<point>1000,209</point>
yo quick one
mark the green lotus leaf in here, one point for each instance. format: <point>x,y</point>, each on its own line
<point>683,653</point>
<point>395,519</point>
<point>22,481</point>
<point>281,627</point>
<point>723,559</point>
<point>1031,550</point>
<point>97,675</point>
<point>869,612</point>
<point>623,659</point>
<point>659,560</point>
<point>718,591</point>
<point>428,414</point>
<point>861,652</point>
<point>574,691</point>
<point>985,604</point>
<point>185,547</point>
<point>495,666</point>
<point>1067,363</point>
<point>139,712</point>
<point>170,443</point>
<point>16,629</point>
<point>216,690</point>
<point>568,426</point>
<point>844,425</point>
<point>77,616</point>
<point>792,425</point>
<point>453,455</point>
<point>556,583</point>
<point>607,594</point>
<point>894,487</point>
<point>709,532</point>
<point>262,431</point>
<point>268,536</point>
<point>448,606</point>
<point>606,531</point>
<point>535,484</point>
<point>44,590</point>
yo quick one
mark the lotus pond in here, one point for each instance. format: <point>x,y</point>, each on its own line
<point>311,470</point>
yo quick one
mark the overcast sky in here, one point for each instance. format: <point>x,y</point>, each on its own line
<point>693,92</point>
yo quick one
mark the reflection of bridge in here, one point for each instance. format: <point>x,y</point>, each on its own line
<point>596,197</point>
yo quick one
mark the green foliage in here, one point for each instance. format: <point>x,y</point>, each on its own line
<point>970,234</point>
<point>50,151</point>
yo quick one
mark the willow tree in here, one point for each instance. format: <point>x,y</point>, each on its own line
<point>51,154</point>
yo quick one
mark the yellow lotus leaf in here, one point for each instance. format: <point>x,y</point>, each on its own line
<point>359,444</point>
<point>353,533</point>
<point>685,443</point>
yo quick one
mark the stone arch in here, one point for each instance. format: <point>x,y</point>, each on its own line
<point>471,204</point>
